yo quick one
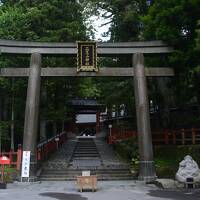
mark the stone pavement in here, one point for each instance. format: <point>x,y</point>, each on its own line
<point>107,190</point>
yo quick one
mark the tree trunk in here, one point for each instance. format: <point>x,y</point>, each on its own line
<point>5,108</point>
<point>43,122</point>
<point>43,136</point>
<point>164,91</point>
<point>54,128</point>
<point>12,128</point>
<point>0,122</point>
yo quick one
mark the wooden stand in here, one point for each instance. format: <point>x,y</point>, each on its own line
<point>87,182</point>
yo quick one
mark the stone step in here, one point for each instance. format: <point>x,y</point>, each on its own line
<point>85,153</point>
<point>85,156</point>
<point>60,177</point>
<point>88,149</point>
<point>99,179</point>
<point>83,148</point>
<point>128,177</point>
<point>88,156</point>
<point>86,145</point>
<point>89,145</point>
<point>97,173</point>
<point>80,172</point>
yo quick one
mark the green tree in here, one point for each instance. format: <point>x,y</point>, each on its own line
<point>124,15</point>
<point>4,136</point>
<point>176,22</point>
<point>198,37</point>
<point>40,20</point>
<point>88,87</point>
<point>55,21</point>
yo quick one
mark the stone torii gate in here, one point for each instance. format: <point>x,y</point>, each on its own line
<point>138,71</point>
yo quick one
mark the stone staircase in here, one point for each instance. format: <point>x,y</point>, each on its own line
<point>85,154</point>
<point>82,154</point>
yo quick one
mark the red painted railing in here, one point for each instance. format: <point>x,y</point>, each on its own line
<point>182,136</point>
<point>117,135</point>
<point>44,149</point>
<point>166,136</point>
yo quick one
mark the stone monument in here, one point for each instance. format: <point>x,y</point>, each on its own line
<point>188,170</point>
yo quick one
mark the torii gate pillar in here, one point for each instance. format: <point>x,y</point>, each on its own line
<point>147,168</point>
<point>32,111</point>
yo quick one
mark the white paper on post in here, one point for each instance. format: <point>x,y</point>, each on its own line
<point>25,164</point>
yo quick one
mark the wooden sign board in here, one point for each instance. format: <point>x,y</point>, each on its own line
<point>87,56</point>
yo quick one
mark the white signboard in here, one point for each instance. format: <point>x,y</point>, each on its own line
<point>85,118</point>
<point>85,173</point>
<point>25,164</point>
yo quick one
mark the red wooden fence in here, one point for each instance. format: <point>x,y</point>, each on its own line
<point>117,135</point>
<point>15,157</point>
<point>44,149</point>
<point>166,136</point>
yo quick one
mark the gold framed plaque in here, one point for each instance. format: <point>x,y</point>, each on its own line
<point>87,56</point>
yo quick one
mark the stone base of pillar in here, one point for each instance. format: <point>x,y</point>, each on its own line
<point>32,171</point>
<point>147,171</point>
<point>30,179</point>
<point>3,186</point>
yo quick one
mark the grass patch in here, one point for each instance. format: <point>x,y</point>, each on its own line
<point>167,157</point>
<point>128,150</point>
<point>9,174</point>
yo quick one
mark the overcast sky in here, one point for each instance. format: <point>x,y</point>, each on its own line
<point>97,22</point>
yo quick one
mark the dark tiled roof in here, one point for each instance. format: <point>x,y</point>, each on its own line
<point>85,102</point>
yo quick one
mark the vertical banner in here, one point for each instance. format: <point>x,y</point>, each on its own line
<point>87,56</point>
<point>25,164</point>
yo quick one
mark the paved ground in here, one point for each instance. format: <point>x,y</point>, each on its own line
<point>107,190</point>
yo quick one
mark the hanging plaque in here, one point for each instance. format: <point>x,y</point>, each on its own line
<point>87,57</point>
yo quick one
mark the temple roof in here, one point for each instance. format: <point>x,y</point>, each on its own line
<point>86,104</point>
